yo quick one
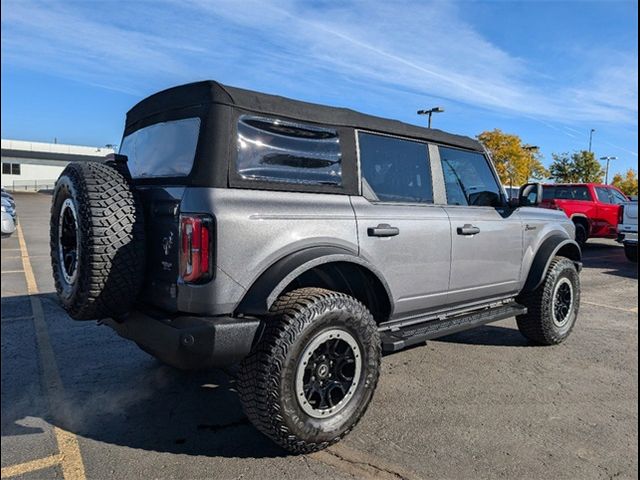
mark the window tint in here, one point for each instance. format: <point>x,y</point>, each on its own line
<point>282,151</point>
<point>469,179</point>
<point>603,195</point>
<point>164,149</point>
<point>566,192</point>
<point>395,170</point>
<point>617,197</point>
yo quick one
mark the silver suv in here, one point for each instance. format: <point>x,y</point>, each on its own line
<point>301,241</point>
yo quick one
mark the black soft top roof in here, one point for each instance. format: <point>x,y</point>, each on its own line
<point>210,92</point>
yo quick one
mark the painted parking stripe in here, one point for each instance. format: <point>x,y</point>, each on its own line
<point>34,465</point>
<point>70,457</point>
<point>630,310</point>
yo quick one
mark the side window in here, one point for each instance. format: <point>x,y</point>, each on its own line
<point>395,170</point>
<point>469,179</point>
<point>603,195</point>
<point>617,197</point>
<point>571,192</point>
<point>275,150</point>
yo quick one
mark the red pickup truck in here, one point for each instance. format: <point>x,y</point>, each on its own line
<point>593,207</point>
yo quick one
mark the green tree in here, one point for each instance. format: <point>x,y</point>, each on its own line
<point>628,184</point>
<point>515,162</point>
<point>561,169</point>
<point>580,167</point>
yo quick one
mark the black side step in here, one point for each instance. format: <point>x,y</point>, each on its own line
<point>403,337</point>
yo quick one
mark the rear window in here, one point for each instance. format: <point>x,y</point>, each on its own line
<point>561,192</point>
<point>282,151</point>
<point>164,149</point>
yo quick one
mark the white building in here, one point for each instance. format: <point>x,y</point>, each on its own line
<point>36,165</point>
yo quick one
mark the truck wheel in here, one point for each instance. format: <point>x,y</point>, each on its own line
<point>631,252</point>
<point>553,306</point>
<point>312,375</point>
<point>581,234</point>
<point>96,241</point>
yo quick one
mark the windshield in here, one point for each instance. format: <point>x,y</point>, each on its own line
<point>164,149</point>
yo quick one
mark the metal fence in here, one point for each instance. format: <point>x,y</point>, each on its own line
<point>30,185</point>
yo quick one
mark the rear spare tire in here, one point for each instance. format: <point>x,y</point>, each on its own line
<point>97,241</point>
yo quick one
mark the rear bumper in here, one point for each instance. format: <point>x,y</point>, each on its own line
<point>190,342</point>
<point>627,237</point>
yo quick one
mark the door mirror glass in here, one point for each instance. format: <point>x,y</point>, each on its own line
<point>530,195</point>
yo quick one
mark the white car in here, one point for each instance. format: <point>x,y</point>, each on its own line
<point>8,217</point>
<point>628,229</point>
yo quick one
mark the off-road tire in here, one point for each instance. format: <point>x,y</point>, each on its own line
<point>266,379</point>
<point>538,325</point>
<point>110,258</point>
<point>582,235</point>
<point>631,252</point>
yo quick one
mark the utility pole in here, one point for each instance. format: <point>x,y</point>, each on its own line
<point>591,138</point>
<point>606,174</point>
<point>430,112</point>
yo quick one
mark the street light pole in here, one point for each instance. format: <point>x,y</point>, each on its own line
<point>430,112</point>
<point>606,174</point>
<point>591,138</point>
<point>530,149</point>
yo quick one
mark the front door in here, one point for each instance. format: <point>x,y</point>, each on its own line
<point>486,248</point>
<point>400,230</point>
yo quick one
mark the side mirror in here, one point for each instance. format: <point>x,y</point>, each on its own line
<point>530,195</point>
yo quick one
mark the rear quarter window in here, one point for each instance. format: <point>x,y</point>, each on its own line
<point>279,151</point>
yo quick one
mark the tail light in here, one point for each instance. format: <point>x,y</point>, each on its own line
<point>621,215</point>
<point>196,248</point>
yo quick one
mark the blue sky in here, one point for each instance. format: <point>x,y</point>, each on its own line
<point>548,71</point>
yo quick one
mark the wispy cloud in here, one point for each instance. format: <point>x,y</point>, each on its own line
<point>424,48</point>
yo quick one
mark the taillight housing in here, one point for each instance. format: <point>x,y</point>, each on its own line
<point>621,215</point>
<point>196,248</point>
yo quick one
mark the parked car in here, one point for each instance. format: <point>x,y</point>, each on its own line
<point>9,197</point>
<point>301,241</point>
<point>593,208</point>
<point>9,217</point>
<point>628,229</point>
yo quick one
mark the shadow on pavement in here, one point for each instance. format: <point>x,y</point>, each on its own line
<point>119,395</point>
<point>610,258</point>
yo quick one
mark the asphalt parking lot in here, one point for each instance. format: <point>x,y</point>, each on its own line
<point>79,402</point>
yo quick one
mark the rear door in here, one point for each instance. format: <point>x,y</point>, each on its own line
<point>158,155</point>
<point>609,201</point>
<point>400,230</point>
<point>486,238</point>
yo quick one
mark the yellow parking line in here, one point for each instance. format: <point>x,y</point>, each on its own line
<point>32,466</point>
<point>70,456</point>
<point>630,310</point>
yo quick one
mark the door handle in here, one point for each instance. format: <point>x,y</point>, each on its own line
<point>468,230</point>
<point>383,230</point>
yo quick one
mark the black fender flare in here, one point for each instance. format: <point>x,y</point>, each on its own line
<point>549,249</point>
<point>270,284</point>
